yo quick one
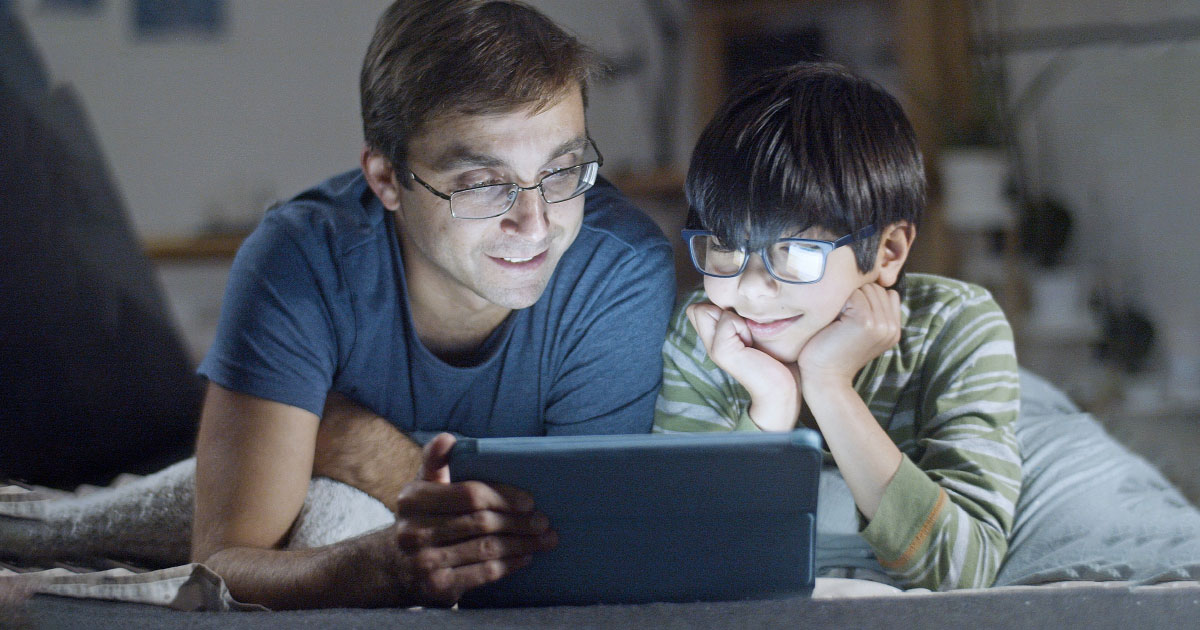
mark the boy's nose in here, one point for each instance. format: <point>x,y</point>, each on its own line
<point>756,281</point>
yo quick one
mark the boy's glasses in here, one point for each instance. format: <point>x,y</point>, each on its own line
<point>493,200</point>
<point>790,260</point>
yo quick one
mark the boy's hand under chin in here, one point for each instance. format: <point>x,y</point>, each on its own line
<point>868,325</point>
<point>773,386</point>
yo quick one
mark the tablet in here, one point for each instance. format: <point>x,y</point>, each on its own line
<point>657,517</point>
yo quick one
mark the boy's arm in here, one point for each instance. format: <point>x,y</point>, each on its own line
<point>867,326</point>
<point>945,518</point>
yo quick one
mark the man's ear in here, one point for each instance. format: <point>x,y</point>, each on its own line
<point>381,177</point>
<point>894,245</point>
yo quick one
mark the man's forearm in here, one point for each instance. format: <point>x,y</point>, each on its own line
<point>358,447</point>
<point>345,574</point>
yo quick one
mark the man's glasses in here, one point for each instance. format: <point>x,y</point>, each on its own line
<point>790,260</point>
<point>493,200</point>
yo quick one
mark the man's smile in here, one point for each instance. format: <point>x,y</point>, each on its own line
<point>520,263</point>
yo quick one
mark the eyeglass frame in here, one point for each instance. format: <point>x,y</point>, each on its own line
<point>826,247</point>
<point>599,161</point>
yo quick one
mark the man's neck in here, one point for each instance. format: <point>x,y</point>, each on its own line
<point>449,321</point>
<point>454,337</point>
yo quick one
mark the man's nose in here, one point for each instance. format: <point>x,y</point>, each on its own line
<point>527,217</point>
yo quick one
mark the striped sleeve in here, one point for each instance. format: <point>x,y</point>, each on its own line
<point>946,515</point>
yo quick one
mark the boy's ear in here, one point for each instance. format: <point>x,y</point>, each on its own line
<point>894,245</point>
<point>381,177</point>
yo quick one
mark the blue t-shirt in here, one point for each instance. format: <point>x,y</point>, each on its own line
<point>316,302</point>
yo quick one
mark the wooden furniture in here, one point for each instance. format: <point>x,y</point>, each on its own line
<point>931,49</point>
<point>192,248</point>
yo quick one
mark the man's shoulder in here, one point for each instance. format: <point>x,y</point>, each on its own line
<point>339,211</point>
<point>611,218</point>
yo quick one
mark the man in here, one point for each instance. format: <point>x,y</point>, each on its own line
<point>456,283</point>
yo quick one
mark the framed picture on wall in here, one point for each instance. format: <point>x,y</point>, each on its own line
<point>172,18</point>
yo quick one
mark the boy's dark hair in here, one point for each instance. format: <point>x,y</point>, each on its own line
<point>807,145</point>
<point>429,59</point>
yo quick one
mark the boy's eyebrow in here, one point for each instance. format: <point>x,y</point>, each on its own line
<point>459,155</point>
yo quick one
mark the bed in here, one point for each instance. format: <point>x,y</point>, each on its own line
<point>1101,538</point>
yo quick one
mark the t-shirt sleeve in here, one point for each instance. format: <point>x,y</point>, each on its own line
<point>611,371</point>
<point>945,517</point>
<point>275,336</point>
<point>696,395</point>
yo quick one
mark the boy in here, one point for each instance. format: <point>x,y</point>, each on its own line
<point>808,185</point>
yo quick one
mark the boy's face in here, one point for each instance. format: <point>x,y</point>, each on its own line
<point>782,317</point>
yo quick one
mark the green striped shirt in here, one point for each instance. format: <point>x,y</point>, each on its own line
<point>947,394</point>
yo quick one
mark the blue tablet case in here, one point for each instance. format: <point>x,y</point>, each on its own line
<point>658,518</point>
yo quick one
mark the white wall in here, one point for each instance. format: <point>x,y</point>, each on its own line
<point>197,130</point>
<point>203,130</point>
<point>1117,137</point>
<point>191,128</point>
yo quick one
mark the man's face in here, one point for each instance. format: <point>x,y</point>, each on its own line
<point>782,317</point>
<point>503,261</point>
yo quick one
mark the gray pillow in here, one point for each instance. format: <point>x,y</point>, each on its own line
<point>1090,509</point>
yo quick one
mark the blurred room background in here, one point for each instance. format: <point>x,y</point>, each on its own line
<point>1062,141</point>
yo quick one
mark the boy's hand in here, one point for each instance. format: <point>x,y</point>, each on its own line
<point>773,388</point>
<point>868,325</point>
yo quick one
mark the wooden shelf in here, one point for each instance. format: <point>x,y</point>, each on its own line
<point>193,248</point>
<point>661,183</point>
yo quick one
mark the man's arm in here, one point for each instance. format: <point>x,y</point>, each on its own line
<point>359,447</point>
<point>253,463</point>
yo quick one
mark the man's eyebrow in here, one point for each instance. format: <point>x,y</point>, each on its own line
<point>458,156</point>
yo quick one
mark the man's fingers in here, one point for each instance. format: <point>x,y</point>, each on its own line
<point>425,497</point>
<point>487,548</point>
<point>436,458</point>
<point>445,585</point>
<point>417,533</point>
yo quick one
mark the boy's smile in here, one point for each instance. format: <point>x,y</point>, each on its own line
<point>767,328</point>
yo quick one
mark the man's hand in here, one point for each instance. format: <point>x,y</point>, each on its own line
<point>452,537</point>
<point>773,386</point>
<point>868,325</point>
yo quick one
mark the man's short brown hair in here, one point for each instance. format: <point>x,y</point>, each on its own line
<point>430,59</point>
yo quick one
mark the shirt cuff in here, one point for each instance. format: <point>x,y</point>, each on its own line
<point>744,423</point>
<point>906,518</point>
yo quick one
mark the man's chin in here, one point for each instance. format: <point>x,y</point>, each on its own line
<point>514,298</point>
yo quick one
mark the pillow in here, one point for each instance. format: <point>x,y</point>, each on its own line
<point>1089,508</point>
<point>96,380</point>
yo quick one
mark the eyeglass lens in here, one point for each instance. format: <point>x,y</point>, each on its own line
<point>789,260</point>
<point>490,201</point>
